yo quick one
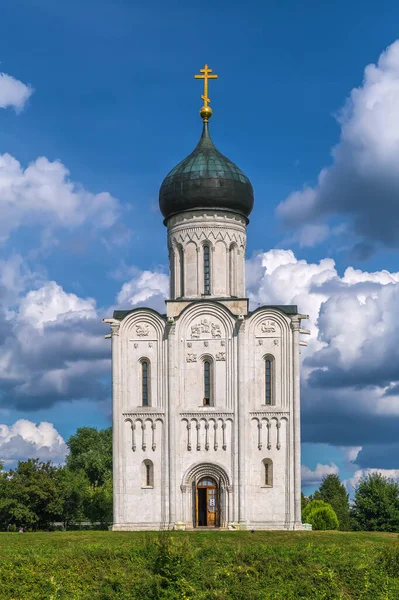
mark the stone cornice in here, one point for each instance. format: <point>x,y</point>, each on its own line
<point>206,414</point>
<point>269,413</point>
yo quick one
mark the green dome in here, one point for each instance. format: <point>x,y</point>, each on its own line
<point>206,179</point>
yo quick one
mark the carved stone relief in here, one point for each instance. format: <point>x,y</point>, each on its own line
<point>205,327</point>
<point>191,357</point>
<point>142,329</point>
<point>268,326</point>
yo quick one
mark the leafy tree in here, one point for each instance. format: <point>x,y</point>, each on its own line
<point>333,491</point>
<point>74,488</point>
<point>90,451</point>
<point>33,497</point>
<point>376,504</point>
<point>321,515</point>
<point>98,505</point>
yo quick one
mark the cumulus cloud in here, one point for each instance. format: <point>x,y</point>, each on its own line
<point>25,439</point>
<point>145,288</point>
<point>52,343</point>
<point>13,93</point>
<point>315,477</point>
<point>350,373</point>
<point>362,183</point>
<point>352,482</point>
<point>43,195</point>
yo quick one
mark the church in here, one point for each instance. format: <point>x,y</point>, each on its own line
<point>206,397</point>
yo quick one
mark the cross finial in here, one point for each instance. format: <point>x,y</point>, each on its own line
<point>205,74</point>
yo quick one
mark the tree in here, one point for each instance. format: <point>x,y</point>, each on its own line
<point>74,489</point>
<point>33,497</point>
<point>98,505</point>
<point>333,491</point>
<point>376,504</point>
<point>90,451</point>
<point>320,515</point>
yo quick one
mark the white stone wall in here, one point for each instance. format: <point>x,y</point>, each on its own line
<point>225,234</point>
<point>181,437</point>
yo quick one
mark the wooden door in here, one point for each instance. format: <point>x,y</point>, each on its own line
<point>207,506</point>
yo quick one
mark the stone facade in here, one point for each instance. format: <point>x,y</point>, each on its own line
<point>170,436</point>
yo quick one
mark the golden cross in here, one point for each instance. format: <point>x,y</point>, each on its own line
<point>206,111</point>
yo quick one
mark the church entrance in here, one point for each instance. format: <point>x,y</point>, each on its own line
<point>207,503</point>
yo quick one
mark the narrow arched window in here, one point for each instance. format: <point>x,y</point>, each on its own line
<point>172,269</point>
<point>207,382</point>
<point>269,381</point>
<point>181,260</point>
<point>148,474</point>
<point>145,382</point>
<point>232,270</point>
<point>267,473</point>
<point>207,270</point>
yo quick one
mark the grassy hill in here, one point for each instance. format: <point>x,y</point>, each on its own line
<point>200,565</point>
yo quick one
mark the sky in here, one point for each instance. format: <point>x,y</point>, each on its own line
<point>98,102</point>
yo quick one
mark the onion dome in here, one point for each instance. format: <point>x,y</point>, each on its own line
<point>206,179</point>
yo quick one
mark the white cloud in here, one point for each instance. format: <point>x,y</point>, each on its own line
<point>353,481</point>
<point>25,439</point>
<point>43,195</point>
<point>146,288</point>
<point>350,452</point>
<point>13,93</point>
<point>51,303</point>
<point>315,477</point>
<point>363,180</point>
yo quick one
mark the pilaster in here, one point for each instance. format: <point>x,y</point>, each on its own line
<point>241,408</point>
<point>295,326</point>
<point>171,404</point>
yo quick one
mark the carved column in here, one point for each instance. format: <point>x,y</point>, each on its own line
<point>295,325</point>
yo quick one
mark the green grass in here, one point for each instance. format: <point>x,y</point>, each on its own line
<point>200,565</point>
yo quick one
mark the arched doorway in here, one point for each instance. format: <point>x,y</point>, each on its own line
<point>207,503</point>
<point>208,476</point>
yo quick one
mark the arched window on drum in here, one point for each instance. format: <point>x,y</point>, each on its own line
<point>207,270</point>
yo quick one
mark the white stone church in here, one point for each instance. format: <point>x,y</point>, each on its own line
<point>206,398</point>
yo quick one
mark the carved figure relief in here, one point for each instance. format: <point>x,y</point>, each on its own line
<point>220,356</point>
<point>142,329</point>
<point>268,327</point>
<point>191,357</point>
<point>205,326</point>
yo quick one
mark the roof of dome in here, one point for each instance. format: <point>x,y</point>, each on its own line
<point>206,179</point>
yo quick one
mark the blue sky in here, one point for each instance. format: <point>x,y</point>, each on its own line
<point>108,92</point>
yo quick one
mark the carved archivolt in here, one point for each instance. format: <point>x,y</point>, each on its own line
<point>143,426</point>
<point>205,469</point>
